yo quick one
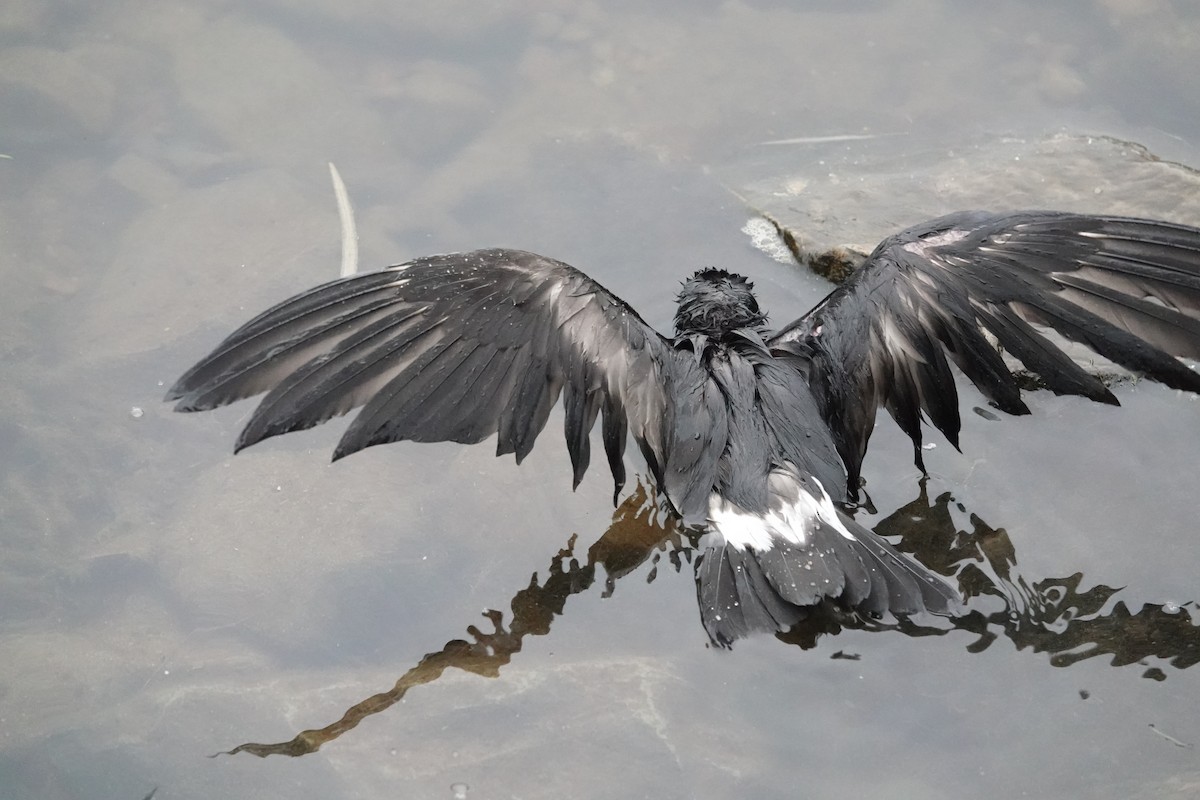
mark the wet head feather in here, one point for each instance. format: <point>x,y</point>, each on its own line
<point>714,303</point>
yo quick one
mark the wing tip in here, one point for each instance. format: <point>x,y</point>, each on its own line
<point>247,439</point>
<point>184,396</point>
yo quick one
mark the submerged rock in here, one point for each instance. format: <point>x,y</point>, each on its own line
<point>832,200</point>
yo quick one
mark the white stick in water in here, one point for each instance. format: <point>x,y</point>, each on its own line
<point>349,232</point>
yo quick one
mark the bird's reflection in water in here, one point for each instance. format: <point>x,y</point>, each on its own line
<point>1051,615</point>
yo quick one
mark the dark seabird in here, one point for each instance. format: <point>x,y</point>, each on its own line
<point>753,435</point>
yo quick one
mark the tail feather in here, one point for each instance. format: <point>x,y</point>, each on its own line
<point>803,575</point>
<point>736,596</point>
<point>745,589</point>
<point>911,588</point>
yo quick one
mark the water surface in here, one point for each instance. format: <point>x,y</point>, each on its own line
<point>161,601</point>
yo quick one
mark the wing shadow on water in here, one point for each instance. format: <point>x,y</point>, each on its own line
<point>1051,615</point>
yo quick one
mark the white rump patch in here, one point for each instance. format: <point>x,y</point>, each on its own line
<point>792,514</point>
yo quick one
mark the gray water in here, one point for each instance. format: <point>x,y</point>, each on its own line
<point>164,177</point>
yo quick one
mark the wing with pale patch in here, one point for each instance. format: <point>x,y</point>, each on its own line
<point>451,348</point>
<point>951,289</point>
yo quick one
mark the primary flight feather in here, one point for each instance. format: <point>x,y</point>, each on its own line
<point>753,435</point>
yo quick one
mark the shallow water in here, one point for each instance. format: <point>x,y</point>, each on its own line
<point>161,601</point>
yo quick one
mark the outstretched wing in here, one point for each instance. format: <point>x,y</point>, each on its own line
<point>449,348</point>
<point>953,288</point>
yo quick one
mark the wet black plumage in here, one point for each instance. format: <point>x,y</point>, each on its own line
<point>752,435</point>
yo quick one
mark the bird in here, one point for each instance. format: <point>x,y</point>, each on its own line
<point>753,437</point>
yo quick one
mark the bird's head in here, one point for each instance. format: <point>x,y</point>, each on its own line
<point>714,303</point>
